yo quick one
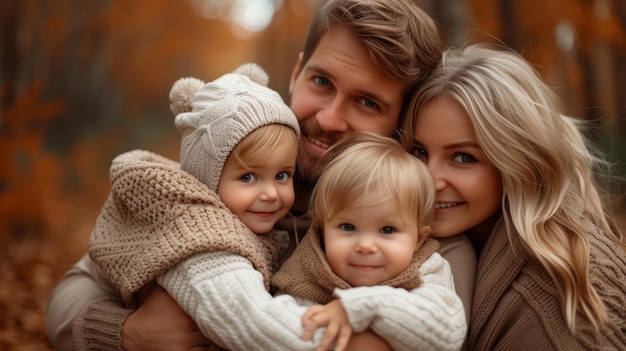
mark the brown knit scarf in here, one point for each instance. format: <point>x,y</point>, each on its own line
<point>157,215</point>
<point>307,274</point>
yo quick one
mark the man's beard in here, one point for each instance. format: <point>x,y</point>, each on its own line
<point>307,174</point>
<point>309,165</point>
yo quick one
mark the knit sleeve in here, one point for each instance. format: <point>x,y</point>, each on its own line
<point>226,297</point>
<point>99,325</point>
<point>430,317</point>
<point>84,304</point>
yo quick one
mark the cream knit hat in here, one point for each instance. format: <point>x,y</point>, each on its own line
<point>214,117</point>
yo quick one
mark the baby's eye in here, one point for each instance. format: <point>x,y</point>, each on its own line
<point>282,176</point>
<point>347,227</point>
<point>248,178</point>
<point>387,230</point>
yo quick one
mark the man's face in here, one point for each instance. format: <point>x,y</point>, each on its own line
<point>340,91</point>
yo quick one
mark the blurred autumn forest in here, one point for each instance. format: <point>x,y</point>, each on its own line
<point>83,81</point>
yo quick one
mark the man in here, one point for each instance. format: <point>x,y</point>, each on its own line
<point>361,61</point>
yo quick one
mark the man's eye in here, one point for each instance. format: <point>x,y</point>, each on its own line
<point>282,176</point>
<point>369,103</point>
<point>321,81</point>
<point>347,227</point>
<point>247,178</point>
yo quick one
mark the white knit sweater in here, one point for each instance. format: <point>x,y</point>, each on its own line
<point>225,295</point>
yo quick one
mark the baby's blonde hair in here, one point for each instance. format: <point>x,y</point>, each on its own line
<point>260,143</point>
<point>362,163</point>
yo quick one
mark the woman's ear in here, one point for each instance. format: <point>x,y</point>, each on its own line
<point>421,236</point>
<point>295,73</point>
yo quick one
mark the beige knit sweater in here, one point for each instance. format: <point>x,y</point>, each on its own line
<point>157,215</point>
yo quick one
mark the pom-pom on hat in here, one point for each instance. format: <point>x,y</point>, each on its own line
<point>214,117</point>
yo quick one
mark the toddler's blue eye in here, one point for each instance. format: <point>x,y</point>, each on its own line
<point>347,227</point>
<point>247,178</point>
<point>282,176</point>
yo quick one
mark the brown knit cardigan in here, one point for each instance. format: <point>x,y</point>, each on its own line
<point>157,215</point>
<point>516,306</point>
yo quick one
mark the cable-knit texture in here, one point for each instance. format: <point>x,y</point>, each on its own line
<point>428,318</point>
<point>307,274</point>
<point>227,299</point>
<point>157,215</point>
<point>213,118</point>
<point>516,305</point>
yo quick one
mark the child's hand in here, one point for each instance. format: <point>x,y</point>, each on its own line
<point>334,317</point>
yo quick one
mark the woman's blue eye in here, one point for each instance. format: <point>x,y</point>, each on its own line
<point>282,176</point>
<point>347,227</point>
<point>464,158</point>
<point>387,230</point>
<point>420,152</point>
<point>247,178</point>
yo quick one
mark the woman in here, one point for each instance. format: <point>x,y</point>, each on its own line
<point>516,177</point>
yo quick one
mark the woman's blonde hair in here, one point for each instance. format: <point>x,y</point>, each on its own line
<point>551,201</point>
<point>261,142</point>
<point>363,163</point>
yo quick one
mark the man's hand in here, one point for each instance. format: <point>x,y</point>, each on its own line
<point>160,324</point>
<point>334,317</point>
<point>367,341</point>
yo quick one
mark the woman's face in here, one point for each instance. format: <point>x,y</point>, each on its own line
<point>468,185</point>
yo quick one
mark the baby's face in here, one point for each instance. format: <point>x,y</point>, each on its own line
<point>262,192</point>
<point>366,245</point>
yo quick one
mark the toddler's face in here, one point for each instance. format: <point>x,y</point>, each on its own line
<point>262,192</point>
